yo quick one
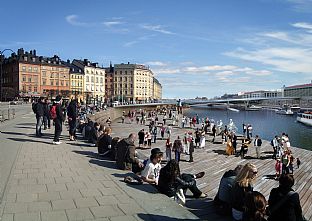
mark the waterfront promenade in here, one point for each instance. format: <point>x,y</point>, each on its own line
<point>70,182</point>
<point>215,162</point>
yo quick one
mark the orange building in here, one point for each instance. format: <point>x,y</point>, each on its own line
<point>109,84</point>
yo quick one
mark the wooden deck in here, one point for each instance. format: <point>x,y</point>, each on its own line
<point>214,162</point>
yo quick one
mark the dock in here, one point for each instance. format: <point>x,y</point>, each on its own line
<point>214,162</point>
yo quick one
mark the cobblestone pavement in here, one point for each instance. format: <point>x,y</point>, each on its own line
<point>70,182</point>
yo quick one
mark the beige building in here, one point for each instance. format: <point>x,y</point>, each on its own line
<point>157,93</point>
<point>133,82</point>
<point>94,80</point>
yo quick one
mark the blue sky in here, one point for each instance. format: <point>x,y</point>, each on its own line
<point>194,47</point>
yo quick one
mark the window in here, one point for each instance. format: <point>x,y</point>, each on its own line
<point>92,79</point>
<point>52,75</point>
<point>35,89</point>
<point>29,88</point>
<point>97,80</point>
<point>101,80</point>
<point>29,69</point>
<point>23,68</point>
<point>35,78</point>
<point>62,83</point>
<point>52,82</point>
<point>25,58</point>
<point>120,72</point>
<point>29,79</point>
<point>34,59</point>
<point>87,78</point>
<point>44,81</point>
<point>66,83</point>
<point>43,67</point>
<point>56,83</point>
<point>44,74</point>
<point>24,88</point>
<point>24,78</point>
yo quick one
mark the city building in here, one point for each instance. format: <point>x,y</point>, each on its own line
<point>157,90</point>
<point>21,75</point>
<point>54,77</point>
<point>261,94</point>
<point>76,79</point>
<point>94,79</point>
<point>303,90</point>
<point>109,84</point>
<point>133,83</point>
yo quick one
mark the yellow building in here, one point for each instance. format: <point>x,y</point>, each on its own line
<point>76,85</point>
<point>157,93</point>
<point>133,83</point>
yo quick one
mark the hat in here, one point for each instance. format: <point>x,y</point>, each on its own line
<point>155,151</point>
<point>58,98</point>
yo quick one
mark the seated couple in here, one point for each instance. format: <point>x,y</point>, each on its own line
<point>168,179</point>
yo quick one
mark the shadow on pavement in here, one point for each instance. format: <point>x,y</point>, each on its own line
<point>160,217</point>
<point>33,124</point>
<point>29,140</point>
<point>97,160</point>
<point>221,152</point>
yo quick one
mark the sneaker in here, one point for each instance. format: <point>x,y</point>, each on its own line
<point>203,195</point>
<point>199,175</point>
<point>92,145</point>
<point>57,142</point>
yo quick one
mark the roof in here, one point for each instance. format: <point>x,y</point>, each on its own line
<point>299,86</point>
<point>73,69</point>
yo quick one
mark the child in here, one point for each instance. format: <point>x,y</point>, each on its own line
<point>278,168</point>
<point>298,163</point>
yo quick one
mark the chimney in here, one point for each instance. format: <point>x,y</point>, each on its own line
<point>68,61</point>
<point>34,52</point>
<point>30,52</point>
<point>128,62</point>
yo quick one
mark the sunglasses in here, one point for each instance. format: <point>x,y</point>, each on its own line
<point>254,172</point>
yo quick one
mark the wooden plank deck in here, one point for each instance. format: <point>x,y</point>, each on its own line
<point>214,162</point>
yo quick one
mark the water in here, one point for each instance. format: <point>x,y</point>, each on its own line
<point>265,123</point>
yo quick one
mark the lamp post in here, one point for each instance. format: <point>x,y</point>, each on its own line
<point>1,77</point>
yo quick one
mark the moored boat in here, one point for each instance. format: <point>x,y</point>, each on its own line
<point>285,111</point>
<point>253,108</point>
<point>305,118</point>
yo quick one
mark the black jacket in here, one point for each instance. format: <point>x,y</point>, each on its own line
<point>39,109</point>
<point>72,110</point>
<point>59,113</point>
<point>291,208</point>
<point>169,186</point>
<point>238,196</point>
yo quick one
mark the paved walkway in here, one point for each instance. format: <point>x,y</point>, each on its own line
<point>69,182</point>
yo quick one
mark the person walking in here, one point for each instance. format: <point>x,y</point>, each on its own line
<point>191,149</point>
<point>177,148</point>
<point>168,150</point>
<point>214,132</point>
<point>274,143</point>
<point>72,114</point>
<point>39,111</point>
<point>46,115</point>
<point>257,144</point>
<point>58,118</point>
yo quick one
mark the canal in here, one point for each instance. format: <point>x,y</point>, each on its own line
<point>265,123</point>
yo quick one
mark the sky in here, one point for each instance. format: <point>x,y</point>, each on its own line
<point>202,48</point>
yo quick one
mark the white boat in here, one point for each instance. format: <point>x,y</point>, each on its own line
<point>305,118</point>
<point>253,108</point>
<point>285,111</point>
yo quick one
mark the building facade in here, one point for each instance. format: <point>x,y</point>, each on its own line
<point>94,80</point>
<point>54,77</point>
<point>133,83</point>
<point>76,81</point>
<point>303,90</point>
<point>157,93</point>
<point>109,84</point>
<point>262,94</point>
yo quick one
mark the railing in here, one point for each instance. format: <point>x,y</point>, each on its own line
<point>7,114</point>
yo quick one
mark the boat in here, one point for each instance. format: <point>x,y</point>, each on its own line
<point>305,118</point>
<point>287,111</point>
<point>253,108</point>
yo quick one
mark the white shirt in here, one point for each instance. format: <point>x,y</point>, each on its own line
<point>151,171</point>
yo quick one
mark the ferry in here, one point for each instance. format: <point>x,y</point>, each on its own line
<point>305,118</point>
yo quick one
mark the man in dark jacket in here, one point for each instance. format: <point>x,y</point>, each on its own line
<point>46,116</point>
<point>126,159</point>
<point>284,203</point>
<point>39,111</point>
<point>72,119</point>
<point>58,120</point>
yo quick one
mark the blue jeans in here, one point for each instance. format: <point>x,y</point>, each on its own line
<point>177,156</point>
<point>39,125</point>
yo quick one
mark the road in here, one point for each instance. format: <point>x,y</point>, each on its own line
<point>8,151</point>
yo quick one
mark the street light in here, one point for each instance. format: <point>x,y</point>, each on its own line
<point>1,61</point>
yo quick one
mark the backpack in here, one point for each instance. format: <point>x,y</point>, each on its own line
<point>53,112</point>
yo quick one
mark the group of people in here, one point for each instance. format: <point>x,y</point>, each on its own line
<point>236,197</point>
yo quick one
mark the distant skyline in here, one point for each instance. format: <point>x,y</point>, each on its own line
<point>202,48</point>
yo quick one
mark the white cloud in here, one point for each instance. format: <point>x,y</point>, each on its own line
<point>156,63</point>
<point>73,20</point>
<point>303,25</point>
<point>302,5</point>
<point>195,69</point>
<point>111,23</point>
<point>156,28</point>
<point>130,43</point>
<point>167,71</point>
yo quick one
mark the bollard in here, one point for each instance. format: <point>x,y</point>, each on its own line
<point>2,116</point>
<point>13,113</point>
<point>8,114</point>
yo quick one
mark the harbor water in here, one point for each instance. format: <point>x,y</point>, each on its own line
<point>265,123</point>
